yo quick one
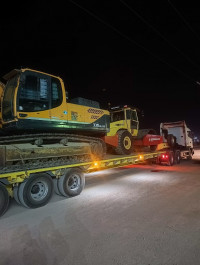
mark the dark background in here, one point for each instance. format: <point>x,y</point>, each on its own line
<point>146,54</point>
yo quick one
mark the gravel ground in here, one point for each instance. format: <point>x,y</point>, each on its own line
<point>143,214</point>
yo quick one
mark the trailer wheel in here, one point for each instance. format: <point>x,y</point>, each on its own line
<point>36,191</point>
<point>171,159</point>
<point>4,199</point>
<point>125,143</point>
<point>15,194</point>
<point>72,182</point>
<point>171,140</point>
<point>177,157</point>
<point>55,184</point>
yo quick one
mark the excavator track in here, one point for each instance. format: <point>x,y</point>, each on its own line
<point>32,151</point>
<point>44,164</point>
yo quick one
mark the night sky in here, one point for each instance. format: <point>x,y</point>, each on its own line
<point>141,53</point>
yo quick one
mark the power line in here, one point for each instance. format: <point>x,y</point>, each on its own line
<point>131,40</point>
<point>155,30</point>
<point>184,20</point>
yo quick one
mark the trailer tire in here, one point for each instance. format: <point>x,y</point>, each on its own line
<point>15,194</point>
<point>4,199</point>
<point>55,184</point>
<point>36,191</point>
<point>125,143</point>
<point>72,182</point>
<point>177,157</point>
<point>171,140</point>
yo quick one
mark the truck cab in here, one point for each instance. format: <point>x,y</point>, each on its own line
<point>182,135</point>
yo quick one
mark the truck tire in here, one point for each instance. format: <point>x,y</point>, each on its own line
<point>36,191</point>
<point>189,157</point>
<point>4,199</point>
<point>171,140</point>
<point>125,143</point>
<point>171,159</point>
<point>72,182</point>
<point>177,157</point>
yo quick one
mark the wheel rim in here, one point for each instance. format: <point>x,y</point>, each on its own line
<point>74,182</point>
<point>127,143</point>
<point>39,190</point>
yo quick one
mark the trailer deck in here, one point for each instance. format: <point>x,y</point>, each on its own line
<point>33,188</point>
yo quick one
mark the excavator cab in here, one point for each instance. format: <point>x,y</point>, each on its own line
<point>37,101</point>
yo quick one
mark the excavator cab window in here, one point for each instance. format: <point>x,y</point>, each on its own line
<point>33,94</point>
<point>7,104</point>
<point>56,93</point>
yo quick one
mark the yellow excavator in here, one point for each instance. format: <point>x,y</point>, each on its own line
<point>36,113</point>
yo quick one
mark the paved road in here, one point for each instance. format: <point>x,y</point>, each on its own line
<point>140,215</point>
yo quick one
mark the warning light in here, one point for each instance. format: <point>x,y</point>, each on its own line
<point>141,157</point>
<point>96,164</point>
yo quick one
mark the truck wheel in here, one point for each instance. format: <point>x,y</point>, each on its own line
<point>171,140</point>
<point>171,159</point>
<point>125,143</point>
<point>177,157</point>
<point>36,191</point>
<point>4,199</point>
<point>189,157</point>
<point>72,182</point>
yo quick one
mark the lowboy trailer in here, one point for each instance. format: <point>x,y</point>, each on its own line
<point>33,188</point>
